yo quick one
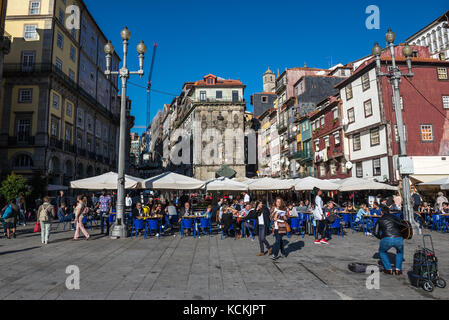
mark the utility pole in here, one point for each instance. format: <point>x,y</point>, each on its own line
<point>118,229</point>
<point>405,164</point>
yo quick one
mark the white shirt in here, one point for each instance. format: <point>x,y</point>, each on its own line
<point>318,212</point>
<point>172,211</point>
<point>246,198</point>
<point>128,201</point>
<point>260,218</point>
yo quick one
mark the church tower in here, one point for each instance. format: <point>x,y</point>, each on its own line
<point>268,81</point>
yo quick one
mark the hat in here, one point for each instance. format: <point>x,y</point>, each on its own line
<point>440,193</point>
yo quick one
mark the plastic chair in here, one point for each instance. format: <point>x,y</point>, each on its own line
<point>153,225</point>
<point>436,222</point>
<point>336,225</point>
<point>231,227</point>
<point>187,224</point>
<point>112,217</point>
<point>206,223</point>
<point>295,224</point>
<point>88,222</point>
<point>137,225</point>
<point>347,219</point>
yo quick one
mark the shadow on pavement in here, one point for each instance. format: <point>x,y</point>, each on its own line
<point>19,250</point>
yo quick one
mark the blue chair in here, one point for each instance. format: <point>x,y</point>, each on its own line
<point>231,228</point>
<point>436,222</point>
<point>347,219</point>
<point>336,225</point>
<point>112,218</point>
<point>88,222</point>
<point>246,224</point>
<point>187,224</point>
<point>137,225</point>
<point>295,224</point>
<point>153,225</point>
<point>205,223</point>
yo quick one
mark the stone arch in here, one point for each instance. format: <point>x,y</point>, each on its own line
<point>22,160</point>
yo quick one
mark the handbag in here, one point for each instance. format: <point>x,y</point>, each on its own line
<point>287,227</point>
<point>37,227</point>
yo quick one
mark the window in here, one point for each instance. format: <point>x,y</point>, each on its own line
<point>60,41</point>
<point>359,170</point>
<point>445,102</point>
<point>264,99</point>
<point>202,95</point>
<point>333,168</point>
<point>23,161</point>
<point>313,126</point>
<point>348,90</point>
<point>23,130</point>
<point>71,75</point>
<point>336,138</point>
<point>322,121</point>
<point>375,137</point>
<point>365,82</point>
<point>335,113</point>
<point>35,7</point>
<point>356,145</point>
<point>351,116</point>
<point>55,101</point>
<point>442,73</point>
<point>68,132</point>
<point>30,32</point>
<point>219,94</point>
<point>55,127</point>
<point>72,53</point>
<point>61,15</point>
<point>376,167</point>
<point>368,107</point>
<point>69,109</point>
<point>25,95</point>
<point>80,118</point>
<point>235,95</point>
<point>326,141</point>
<point>317,145</point>
<point>343,166</point>
<point>426,132</point>
<point>322,171</point>
<point>396,137</point>
<point>401,102</point>
<point>28,58</point>
<point>58,64</point>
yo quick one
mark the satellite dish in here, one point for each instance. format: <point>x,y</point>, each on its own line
<point>348,165</point>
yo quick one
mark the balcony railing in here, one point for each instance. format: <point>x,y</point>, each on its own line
<point>20,141</point>
<point>68,147</point>
<point>303,155</point>
<point>221,100</point>
<point>56,143</point>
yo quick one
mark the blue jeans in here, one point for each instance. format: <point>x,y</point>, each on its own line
<point>388,243</point>
<point>22,216</point>
<point>104,219</point>
<point>279,244</point>
<point>167,223</point>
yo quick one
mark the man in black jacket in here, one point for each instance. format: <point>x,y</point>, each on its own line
<point>388,229</point>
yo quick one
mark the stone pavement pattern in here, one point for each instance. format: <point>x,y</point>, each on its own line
<point>205,268</point>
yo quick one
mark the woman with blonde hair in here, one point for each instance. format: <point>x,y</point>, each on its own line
<point>279,218</point>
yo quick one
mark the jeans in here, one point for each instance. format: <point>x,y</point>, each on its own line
<point>279,244</point>
<point>167,223</point>
<point>262,239</point>
<point>22,216</point>
<point>104,218</point>
<point>388,243</point>
<point>320,230</point>
<point>45,231</point>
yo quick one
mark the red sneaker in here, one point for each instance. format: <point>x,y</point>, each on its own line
<point>323,241</point>
<point>317,242</point>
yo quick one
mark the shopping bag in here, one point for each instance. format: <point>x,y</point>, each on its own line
<point>37,227</point>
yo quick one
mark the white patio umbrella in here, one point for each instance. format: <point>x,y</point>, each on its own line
<point>445,187</point>
<point>106,181</point>
<point>309,183</point>
<point>440,182</point>
<point>225,184</point>
<point>270,184</point>
<point>173,181</point>
<point>356,184</point>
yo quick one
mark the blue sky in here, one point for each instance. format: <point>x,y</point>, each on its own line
<point>239,39</point>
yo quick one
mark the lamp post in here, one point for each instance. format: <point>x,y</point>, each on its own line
<point>404,163</point>
<point>118,229</point>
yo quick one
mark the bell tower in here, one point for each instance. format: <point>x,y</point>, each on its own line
<point>268,81</point>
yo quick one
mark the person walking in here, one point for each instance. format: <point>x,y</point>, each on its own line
<point>105,204</point>
<point>320,219</point>
<point>44,215</point>
<point>263,226</point>
<point>9,219</point>
<point>387,229</point>
<point>20,201</point>
<point>279,218</point>
<point>80,211</point>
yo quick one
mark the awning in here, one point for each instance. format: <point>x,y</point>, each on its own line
<point>173,181</point>
<point>270,184</point>
<point>225,184</point>
<point>424,178</point>
<point>309,183</point>
<point>355,184</point>
<point>225,171</point>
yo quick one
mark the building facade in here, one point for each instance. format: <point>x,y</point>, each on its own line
<point>59,112</point>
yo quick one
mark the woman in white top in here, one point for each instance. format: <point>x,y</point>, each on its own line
<point>320,219</point>
<point>79,215</point>
<point>279,217</point>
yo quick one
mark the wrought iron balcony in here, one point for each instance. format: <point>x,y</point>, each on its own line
<point>55,143</point>
<point>21,141</point>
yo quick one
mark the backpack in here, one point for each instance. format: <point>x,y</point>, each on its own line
<point>359,267</point>
<point>43,213</point>
<point>7,213</point>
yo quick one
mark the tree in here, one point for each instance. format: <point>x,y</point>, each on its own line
<point>12,186</point>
